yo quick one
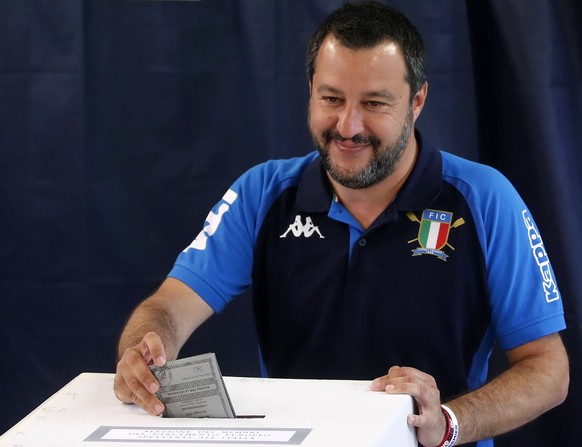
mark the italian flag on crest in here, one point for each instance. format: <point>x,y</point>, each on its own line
<point>434,229</point>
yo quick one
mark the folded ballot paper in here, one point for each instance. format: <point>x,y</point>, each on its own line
<point>193,388</point>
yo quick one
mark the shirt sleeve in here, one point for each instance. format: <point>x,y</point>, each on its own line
<point>218,263</point>
<point>524,297</point>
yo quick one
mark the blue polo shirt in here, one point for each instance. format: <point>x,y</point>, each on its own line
<point>453,265</point>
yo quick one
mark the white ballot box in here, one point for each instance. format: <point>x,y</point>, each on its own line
<point>307,413</point>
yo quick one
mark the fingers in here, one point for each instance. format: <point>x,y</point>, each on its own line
<point>399,377</point>
<point>405,380</point>
<point>134,381</point>
<point>153,349</point>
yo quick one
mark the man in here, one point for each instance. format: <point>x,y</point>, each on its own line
<point>376,250</point>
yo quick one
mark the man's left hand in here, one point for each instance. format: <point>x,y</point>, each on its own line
<point>429,422</point>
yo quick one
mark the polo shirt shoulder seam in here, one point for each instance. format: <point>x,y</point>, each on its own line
<point>473,181</point>
<point>270,179</point>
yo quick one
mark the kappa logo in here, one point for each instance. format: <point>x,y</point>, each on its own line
<point>433,233</point>
<point>298,228</point>
<point>541,257</point>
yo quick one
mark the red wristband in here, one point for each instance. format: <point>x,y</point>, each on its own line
<point>452,428</point>
<point>447,428</point>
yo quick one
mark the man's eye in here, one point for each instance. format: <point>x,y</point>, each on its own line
<point>331,99</point>
<point>375,104</point>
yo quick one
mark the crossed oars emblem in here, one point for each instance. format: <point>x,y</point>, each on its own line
<point>457,223</point>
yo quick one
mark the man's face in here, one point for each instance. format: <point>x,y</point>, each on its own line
<point>360,116</point>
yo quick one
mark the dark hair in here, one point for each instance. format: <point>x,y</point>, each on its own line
<point>367,24</point>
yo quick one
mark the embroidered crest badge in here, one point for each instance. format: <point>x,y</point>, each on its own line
<point>433,233</point>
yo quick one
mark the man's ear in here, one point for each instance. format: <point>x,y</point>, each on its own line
<point>419,100</point>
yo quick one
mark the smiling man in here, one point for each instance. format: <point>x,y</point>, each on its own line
<point>374,253</point>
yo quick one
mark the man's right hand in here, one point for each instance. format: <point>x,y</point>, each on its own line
<point>134,381</point>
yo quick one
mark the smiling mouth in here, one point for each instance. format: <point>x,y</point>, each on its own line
<point>355,143</point>
<point>352,146</point>
<point>349,147</point>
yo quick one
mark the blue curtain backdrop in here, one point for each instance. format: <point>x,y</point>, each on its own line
<point>123,121</point>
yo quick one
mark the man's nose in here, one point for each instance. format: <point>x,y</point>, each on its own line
<point>350,121</point>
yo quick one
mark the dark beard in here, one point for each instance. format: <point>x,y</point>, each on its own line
<point>382,164</point>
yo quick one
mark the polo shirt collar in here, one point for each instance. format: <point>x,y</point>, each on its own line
<point>424,184</point>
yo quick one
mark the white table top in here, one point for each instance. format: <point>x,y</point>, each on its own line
<point>308,413</point>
